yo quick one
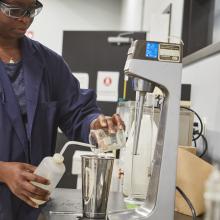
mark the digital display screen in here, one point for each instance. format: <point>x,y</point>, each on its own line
<point>152,50</point>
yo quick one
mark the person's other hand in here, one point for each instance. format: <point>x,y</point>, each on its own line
<point>18,177</point>
<point>105,122</point>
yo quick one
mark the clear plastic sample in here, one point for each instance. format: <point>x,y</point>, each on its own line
<point>106,141</point>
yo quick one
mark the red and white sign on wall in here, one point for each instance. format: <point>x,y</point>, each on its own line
<point>107,81</point>
<point>107,86</point>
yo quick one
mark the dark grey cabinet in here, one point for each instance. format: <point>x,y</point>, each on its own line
<point>198,19</point>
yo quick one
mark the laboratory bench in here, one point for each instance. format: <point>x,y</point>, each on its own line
<point>69,202</point>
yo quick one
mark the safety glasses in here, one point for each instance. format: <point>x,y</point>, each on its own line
<point>16,12</point>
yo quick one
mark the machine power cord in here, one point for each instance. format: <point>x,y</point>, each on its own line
<point>200,121</point>
<point>188,202</point>
<point>205,146</point>
<point>195,144</point>
<point>199,134</point>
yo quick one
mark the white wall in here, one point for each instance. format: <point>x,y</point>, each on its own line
<point>132,15</point>
<point>154,8</point>
<point>59,15</point>
<point>205,79</point>
<point>147,15</point>
<point>177,16</point>
<point>129,15</point>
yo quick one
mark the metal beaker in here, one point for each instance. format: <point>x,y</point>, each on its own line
<point>96,180</point>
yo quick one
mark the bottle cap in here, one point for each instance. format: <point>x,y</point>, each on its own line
<point>58,158</point>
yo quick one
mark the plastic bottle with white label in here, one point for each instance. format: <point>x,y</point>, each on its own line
<point>212,195</point>
<point>51,168</point>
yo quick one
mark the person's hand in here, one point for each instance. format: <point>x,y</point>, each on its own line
<point>17,177</point>
<point>105,122</point>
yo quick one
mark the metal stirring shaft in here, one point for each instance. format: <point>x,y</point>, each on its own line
<point>141,87</point>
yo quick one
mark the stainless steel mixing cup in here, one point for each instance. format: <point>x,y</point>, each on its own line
<point>96,180</point>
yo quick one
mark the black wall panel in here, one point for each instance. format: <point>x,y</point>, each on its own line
<point>90,52</point>
<point>198,21</point>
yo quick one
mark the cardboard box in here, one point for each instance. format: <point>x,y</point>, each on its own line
<point>192,173</point>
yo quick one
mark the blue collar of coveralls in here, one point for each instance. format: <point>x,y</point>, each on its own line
<point>27,47</point>
<point>32,48</point>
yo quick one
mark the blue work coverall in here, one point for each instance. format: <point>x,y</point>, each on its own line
<point>53,99</point>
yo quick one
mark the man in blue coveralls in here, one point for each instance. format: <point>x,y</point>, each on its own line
<point>38,93</point>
